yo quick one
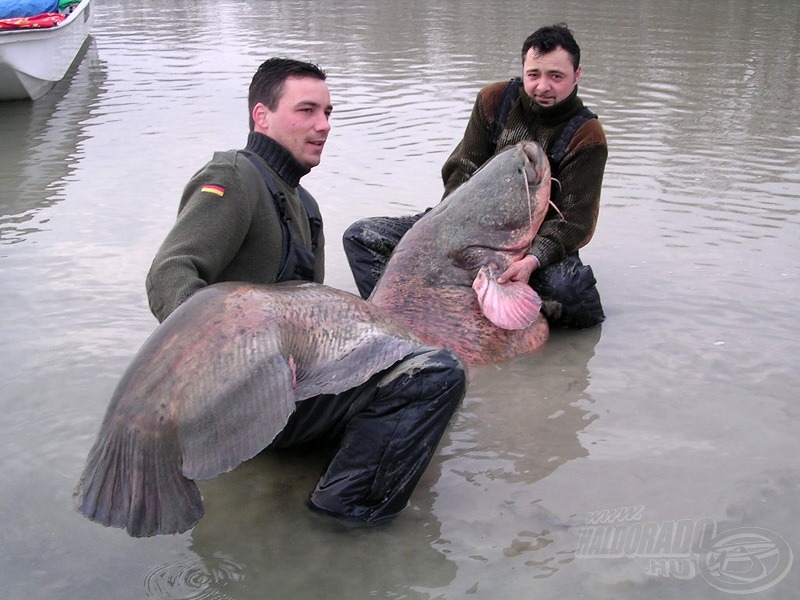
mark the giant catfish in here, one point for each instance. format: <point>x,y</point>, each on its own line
<point>218,379</point>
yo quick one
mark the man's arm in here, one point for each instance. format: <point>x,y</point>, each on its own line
<point>580,178</point>
<point>205,237</point>
<point>476,147</point>
<point>520,270</point>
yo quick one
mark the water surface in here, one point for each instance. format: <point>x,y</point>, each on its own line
<point>681,405</point>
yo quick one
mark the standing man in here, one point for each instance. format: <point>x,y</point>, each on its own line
<point>245,217</point>
<point>542,106</point>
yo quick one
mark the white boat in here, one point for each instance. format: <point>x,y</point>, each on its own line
<point>32,61</point>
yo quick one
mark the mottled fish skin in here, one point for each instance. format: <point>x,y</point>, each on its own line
<point>488,222</point>
<point>215,383</point>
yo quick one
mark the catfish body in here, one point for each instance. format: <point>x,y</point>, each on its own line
<point>215,383</point>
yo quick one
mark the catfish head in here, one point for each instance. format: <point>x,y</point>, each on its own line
<point>493,217</point>
<point>491,221</point>
<point>441,280</point>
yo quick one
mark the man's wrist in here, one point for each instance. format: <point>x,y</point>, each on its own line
<point>535,259</point>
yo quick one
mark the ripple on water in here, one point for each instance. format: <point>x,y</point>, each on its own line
<point>193,579</point>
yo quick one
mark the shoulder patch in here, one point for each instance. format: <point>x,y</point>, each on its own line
<point>589,133</point>
<point>492,97</point>
<point>213,188</point>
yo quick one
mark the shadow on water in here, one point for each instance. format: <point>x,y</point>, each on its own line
<point>41,143</point>
<point>520,412</point>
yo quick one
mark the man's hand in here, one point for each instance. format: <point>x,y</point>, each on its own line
<point>520,270</point>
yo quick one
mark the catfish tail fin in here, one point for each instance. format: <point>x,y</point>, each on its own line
<point>133,480</point>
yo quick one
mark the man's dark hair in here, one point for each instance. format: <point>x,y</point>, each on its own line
<point>268,82</point>
<point>546,39</point>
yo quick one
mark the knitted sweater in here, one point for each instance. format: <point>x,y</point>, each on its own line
<point>228,227</point>
<point>580,173</point>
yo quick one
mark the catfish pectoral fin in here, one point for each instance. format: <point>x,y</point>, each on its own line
<point>512,305</point>
<point>133,480</point>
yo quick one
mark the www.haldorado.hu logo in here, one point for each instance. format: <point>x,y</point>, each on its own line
<point>743,560</point>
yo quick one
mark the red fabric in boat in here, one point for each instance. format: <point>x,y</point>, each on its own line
<point>42,21</point>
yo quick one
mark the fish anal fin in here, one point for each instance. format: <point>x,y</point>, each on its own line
<point>223,426</point>
<point>375,351</point>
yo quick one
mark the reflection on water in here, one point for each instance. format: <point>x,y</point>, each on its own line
<point>40,144</point>
<point>299,552</point>
<point>681,403</point>
<point>517,426</point>
<point>481,477</point>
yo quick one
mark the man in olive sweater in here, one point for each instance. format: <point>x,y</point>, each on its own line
<point>231,226</point>
<point>544,107</point>
<point>245,217</point>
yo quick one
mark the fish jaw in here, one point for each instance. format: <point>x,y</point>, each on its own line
<point>489,222</point>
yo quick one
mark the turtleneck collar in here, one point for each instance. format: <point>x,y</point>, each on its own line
<point>277,157</point>
<point>552,114</point>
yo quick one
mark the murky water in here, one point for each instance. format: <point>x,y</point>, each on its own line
<point>681,407</point>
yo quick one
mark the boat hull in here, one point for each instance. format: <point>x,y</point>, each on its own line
<point>32,61</point>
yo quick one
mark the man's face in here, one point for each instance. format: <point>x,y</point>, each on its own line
<point>300,123</point>
<point>549,78</point>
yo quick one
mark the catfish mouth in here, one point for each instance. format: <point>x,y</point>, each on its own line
<point>485,255</point>
<point>509,248</point>
<point>536,170</point>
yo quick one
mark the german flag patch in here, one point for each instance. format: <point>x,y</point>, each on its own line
<point>213,188</point>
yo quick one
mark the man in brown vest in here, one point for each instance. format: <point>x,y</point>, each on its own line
<point>543,105</point>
